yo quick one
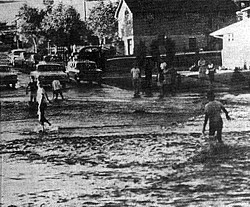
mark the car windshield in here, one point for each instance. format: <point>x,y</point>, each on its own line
<point>53,59</point>
<point>43,68</point>
<point>4,69</point>
<point>17,52</point>
<point>28,55</point>
<point>86,66</point>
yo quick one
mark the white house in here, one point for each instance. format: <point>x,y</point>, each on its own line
<point>236,43</point>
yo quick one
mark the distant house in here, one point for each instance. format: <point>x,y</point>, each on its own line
<point>236,42</point>
<point>187,22</point>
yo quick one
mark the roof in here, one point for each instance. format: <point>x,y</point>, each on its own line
<point>181,5</point>
<point>246,9</point>
<point>243,25</point>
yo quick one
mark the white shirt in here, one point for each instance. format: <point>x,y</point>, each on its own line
<point>56,85</point>
<point>135,73</point>
<point>163,65</point>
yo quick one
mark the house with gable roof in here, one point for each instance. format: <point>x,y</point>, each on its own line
<point>236,42</point>
<point>187,22</point>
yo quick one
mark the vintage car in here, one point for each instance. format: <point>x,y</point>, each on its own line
<point>47,72</point>
<point>84,71</point>
<point>30,61</point>
<point>54,59</point>
<point>17,57</point>
<point>7,76</point>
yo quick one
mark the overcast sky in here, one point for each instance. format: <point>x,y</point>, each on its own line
<point>10,8</point>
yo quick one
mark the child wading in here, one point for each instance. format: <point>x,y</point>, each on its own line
<point>42,99</point>
<point>213,113</point>
<point>57,89</point>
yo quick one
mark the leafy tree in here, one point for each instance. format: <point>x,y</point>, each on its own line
<point>169,45</point>
<point>155,51</point>
<point>102,20</point>
<point>29,24</point>
<point>63,26</point>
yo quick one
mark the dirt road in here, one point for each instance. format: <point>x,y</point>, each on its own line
<point>105,148</point>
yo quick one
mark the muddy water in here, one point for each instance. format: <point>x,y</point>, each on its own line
<point>142,152</point>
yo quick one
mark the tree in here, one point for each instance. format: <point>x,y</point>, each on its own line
<point>29,24</point>
<point>102,20</point>
<point>169,45</point>
<point>63,26</point>
<point>155,52</point>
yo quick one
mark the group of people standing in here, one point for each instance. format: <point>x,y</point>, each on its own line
<point>39,98</point>
<point>204,69</point>
<point>167,80</point>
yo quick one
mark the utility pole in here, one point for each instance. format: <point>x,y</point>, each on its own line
<point>85,10</point>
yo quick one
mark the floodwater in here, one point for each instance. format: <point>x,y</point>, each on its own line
<point>107,149</point>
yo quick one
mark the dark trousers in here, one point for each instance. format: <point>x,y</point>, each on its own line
<point>216,127</point>
<point>136,85</point>
<point>56,92</point>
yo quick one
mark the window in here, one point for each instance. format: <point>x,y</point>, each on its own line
<point>230,37</point>
<point>130,47</point>
<point>192,44</point>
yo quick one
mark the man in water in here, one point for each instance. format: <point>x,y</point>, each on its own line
<point>213,113</point>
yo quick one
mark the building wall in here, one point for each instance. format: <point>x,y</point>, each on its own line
<point>190,31</point>
<point>125,29</point>
<point>180,28</point>
<point>236,49</point>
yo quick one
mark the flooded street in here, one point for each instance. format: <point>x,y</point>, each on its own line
<point>105,148</point>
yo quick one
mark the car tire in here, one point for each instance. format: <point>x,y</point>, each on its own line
<point>13,85</point>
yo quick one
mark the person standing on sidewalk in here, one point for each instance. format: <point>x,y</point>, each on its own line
<point>213,114</point>
<point>162,78</point>
<point>42,98</point>
<point>136,78</point>
<point>211,72</point>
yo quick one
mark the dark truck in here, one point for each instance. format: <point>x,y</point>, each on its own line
<point>92,53</point>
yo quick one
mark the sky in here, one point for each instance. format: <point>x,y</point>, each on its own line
<point>9,8</point>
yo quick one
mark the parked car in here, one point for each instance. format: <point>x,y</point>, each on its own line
<point>31,60</point>
<point>54,59</point>
<point>16,57</point>
<point>7,76</point>
<point>84,71</point>
<point>47,72</point>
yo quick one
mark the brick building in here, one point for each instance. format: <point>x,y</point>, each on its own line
<point>187,22</point>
